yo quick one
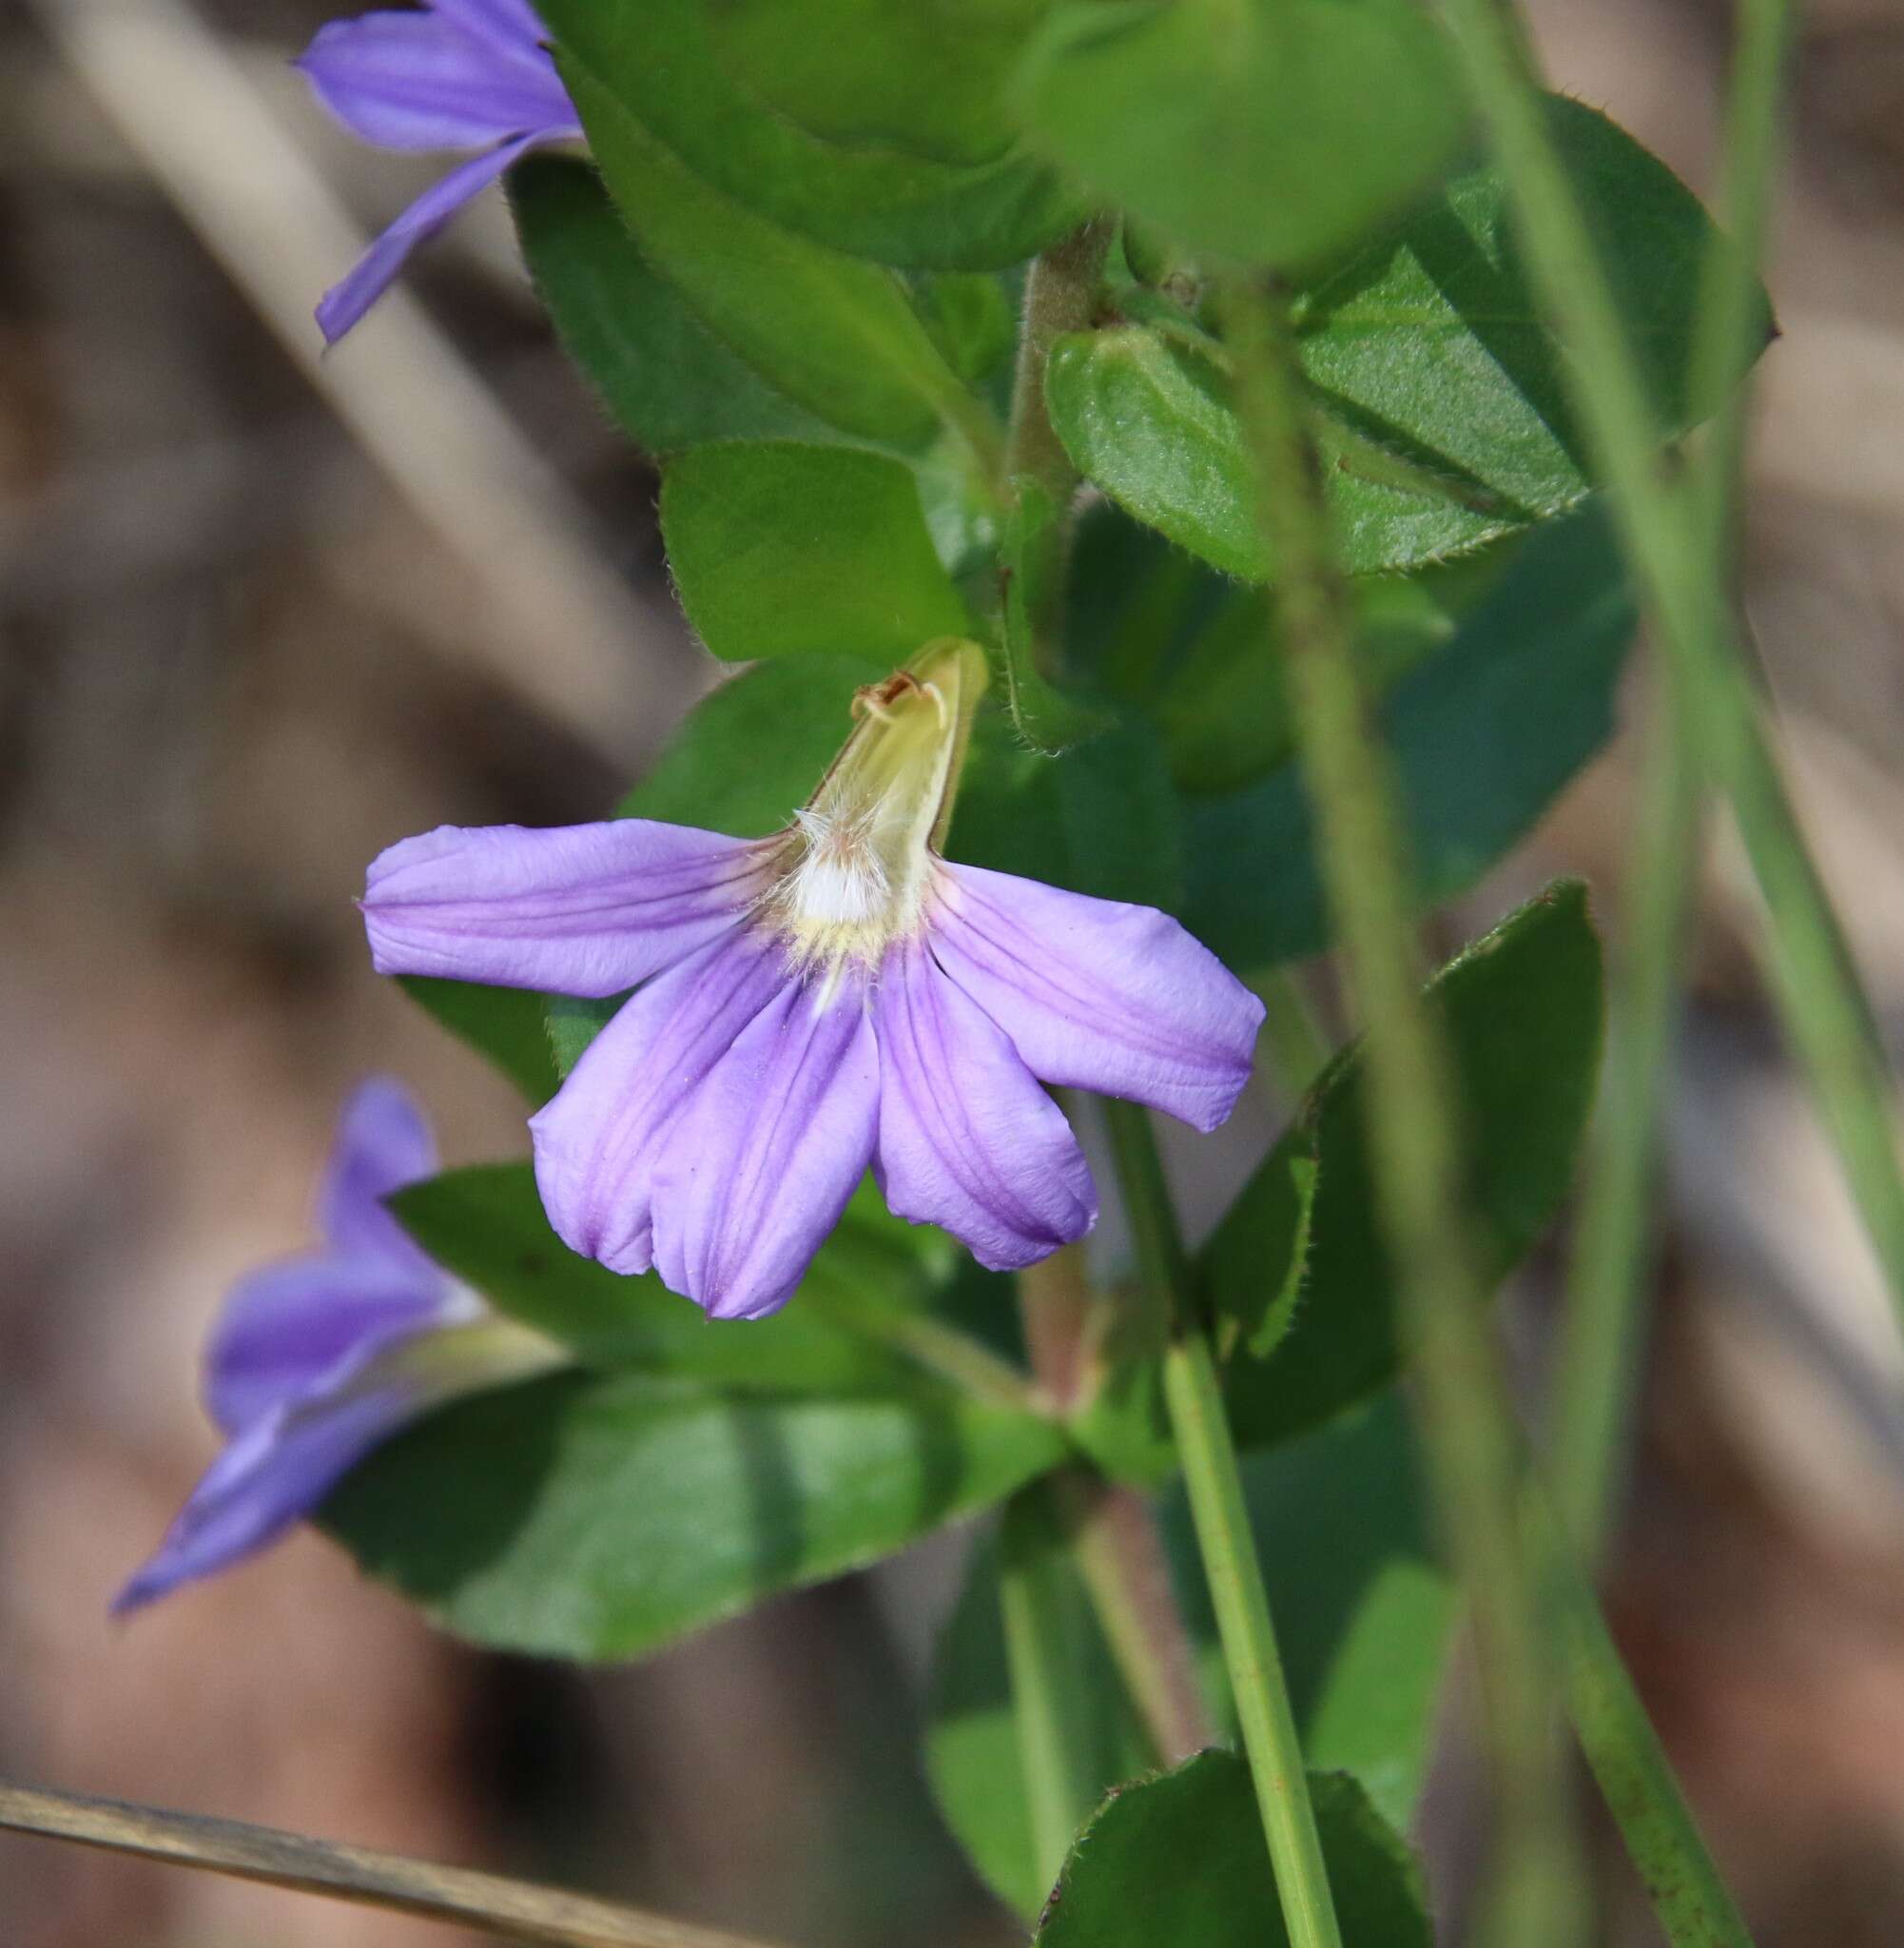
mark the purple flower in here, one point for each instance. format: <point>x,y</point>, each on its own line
<point>458,74</point>
<point>832,997</point>
<point>314,1361</point>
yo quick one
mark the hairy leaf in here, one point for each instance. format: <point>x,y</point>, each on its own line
<point>1269,131</point>
<point>1181,1858</point>
<point>668,381</point>
<point>1483,733</point>
<point>659,59</point>
<point>833,332</point>
<point>782,550</point>
<point>926,79</point>
<point>597,1515</point>
<point>1522,1011</point>
<point>1437,386</point>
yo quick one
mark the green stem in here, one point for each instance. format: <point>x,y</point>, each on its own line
<point>1665,531</point>
<point>1227,1545</point>
<point>1601,1331</point>
<point>1628,1763</point>
<point>1110,1530</point>
<point>1752,145</point>
<point>1061,295</point>
<point>1468,1432</point>
<point>515,1909</point>
<point>1243,1622</point>
<point>1151,1214</point>
<point>953,1355</point>
<point>1610,1252</point>
<point>1120,1557</point>
<point>1040,1658</point>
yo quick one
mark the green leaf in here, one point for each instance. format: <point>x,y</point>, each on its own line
<point>573,1022</point>
<point>973,1754</point>
<point>833,332</point>
<point>1270,132</point>
<point>659,59</point>
<point>1152,424</point>
<point>974,315</point>
<point>1180,1857</point>
<point>504,1023</point>
<point>1224,705</point>
<point>1482,733</point>
<point>782,550</point>
<point>1521,1008</point>
<point>668,381</point>
<point>1031,557</point>
<point>1149,419</point>
<point>1366,1616</point>
<point>1434,342</point>
<point>1099,818</point>
<point>926,79</point>
<point>1291,1192</point>
<point>750,755</point>
<point>602,1515</point>
<point>486,1225</point>
<point>1440,400</point>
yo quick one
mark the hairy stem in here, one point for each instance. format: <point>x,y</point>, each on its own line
<point>1060,292</point>
<point>1041,482</point>
<point>1628,1763</point>
<point>1468,1428</point>
<point>1601,1328</point>
<point>1666,533</point>
<point>1604,1288</point>
<point>1227,1546</point>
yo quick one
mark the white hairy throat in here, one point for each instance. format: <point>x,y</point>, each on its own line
<point>853,873</point>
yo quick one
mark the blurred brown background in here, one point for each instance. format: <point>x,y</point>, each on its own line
<point>260,614</point>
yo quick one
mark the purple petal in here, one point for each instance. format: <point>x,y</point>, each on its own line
<point>576,909</point>
<point>382,1144</point>
<point>371,276</point>
<point>422,81</point>
<point>281,1466</point>
<point>513,24</point>
<point>1098,995</point>
<point>269,1478</point>
<point>967,1138</point>
<point>773,1144</point>
<point>288,1330</point>
<point>598,1142</point>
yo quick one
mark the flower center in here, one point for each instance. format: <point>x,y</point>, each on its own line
<point>851,874</point>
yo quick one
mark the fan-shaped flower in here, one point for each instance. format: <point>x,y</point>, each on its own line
<point>314,1361</point>
<point>454,74</point>
<point>835,995</point>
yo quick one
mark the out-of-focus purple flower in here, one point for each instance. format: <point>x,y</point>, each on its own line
<point>832,997</point>
<point>454,74</point>
<point>314,1361</point>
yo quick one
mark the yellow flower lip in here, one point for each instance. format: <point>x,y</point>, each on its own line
<point>852,874</point>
